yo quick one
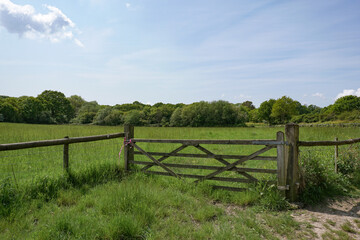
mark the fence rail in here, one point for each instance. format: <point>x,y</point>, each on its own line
<point>66,140</point>
<point>328,143</point>
<point>243,173</point>
<point>194,142</point>
<point>287,156</point>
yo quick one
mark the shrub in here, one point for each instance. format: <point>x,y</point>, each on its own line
<point>320,180</point>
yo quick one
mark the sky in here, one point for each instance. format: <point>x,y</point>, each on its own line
<point>181,51</point>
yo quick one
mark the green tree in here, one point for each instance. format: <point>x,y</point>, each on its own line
<point>58,105</point>
<point>283,110</point>
<point>249,105</point>
<point>114,118</point>
<point>101,115</point>
<point>108,116</point>
<point>346,103</point>
<point>133,117</point>
<point>176,120</point>
<point>87,112</point>
<point>76,103</point>
<point>254,116</point>
<point>33,111</point>
<point>265,111</point>
<point>10,110</point>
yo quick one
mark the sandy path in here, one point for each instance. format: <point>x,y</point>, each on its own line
<point>331,216</point>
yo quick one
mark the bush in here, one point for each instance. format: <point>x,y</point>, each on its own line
<point>320,180</point>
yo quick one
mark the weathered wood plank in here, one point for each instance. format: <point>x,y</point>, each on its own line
<point>191,155</point>
<point>47,143</point>
<point>66,156</point>
<point>328,143</point>
<point>336,156</point>
<point>292,161</point>
<point>211,175</point>
<point>167,155</point>
<point>156,161</point>
<point>281,166</point>
<point>128,150</point>
<point>209,153</point>
<point>235,189</point>
<point>224,179</point>
<point>204,167</point>
<point>194,142</point>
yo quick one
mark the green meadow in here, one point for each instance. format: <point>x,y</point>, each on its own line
<point>96,199</point>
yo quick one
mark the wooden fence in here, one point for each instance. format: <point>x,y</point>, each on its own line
<point>287,157</point>
<point>66,141</point>
<point>287,163</point>
<point>286,145</point>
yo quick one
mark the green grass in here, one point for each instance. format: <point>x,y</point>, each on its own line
<point>96,200</point>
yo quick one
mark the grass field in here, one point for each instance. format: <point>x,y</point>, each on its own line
<point>96,200</point>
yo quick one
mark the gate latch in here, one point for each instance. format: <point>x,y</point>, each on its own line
<point>283,188</point>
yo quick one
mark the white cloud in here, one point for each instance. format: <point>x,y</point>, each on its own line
<point>320,95</point>
<point>26,22</point>
<point>242,96</point>
<point>347,92</point>
<point>128,5</point>
<point>79,43</point>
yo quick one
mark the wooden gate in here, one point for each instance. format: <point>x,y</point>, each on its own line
<point>231,163</point>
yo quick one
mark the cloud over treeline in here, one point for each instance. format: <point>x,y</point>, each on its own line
<point>26,22</point>
<point>347,92</point>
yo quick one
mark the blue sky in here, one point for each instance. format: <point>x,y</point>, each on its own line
<point>181,51</point>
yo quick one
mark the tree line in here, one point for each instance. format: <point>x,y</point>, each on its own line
<point>53,107</point>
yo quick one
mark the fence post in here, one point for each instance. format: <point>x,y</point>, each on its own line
<point>66,155</point>
<point>336,155</point>
<point>281,167</point>
<point>292,160</point>
<point>128,150</point>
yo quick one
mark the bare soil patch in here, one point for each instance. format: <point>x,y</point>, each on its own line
<point>334,219</point>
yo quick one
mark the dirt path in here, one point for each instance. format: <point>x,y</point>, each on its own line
<point>336,219</point>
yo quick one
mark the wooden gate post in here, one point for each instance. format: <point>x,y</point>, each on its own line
<point>281,166</point>
<point>128,150</point>
<point>292,161</point>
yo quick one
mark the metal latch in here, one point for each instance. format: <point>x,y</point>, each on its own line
<point>283,188</point>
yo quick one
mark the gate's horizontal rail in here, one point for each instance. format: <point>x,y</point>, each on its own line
<point>194,142</point>
<point>224,179</point>
<point>263,158</point>
<point>255,170</point>
<point>235,189</point>
<point>46,143</point>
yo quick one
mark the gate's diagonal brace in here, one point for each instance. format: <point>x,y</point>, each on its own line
<point>228,167</point>
<point>167,156</point>
<point>210,154</point>
<point>220,159</point>
<point>156,161</point>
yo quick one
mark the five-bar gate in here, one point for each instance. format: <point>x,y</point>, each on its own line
<point>233,164</point>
